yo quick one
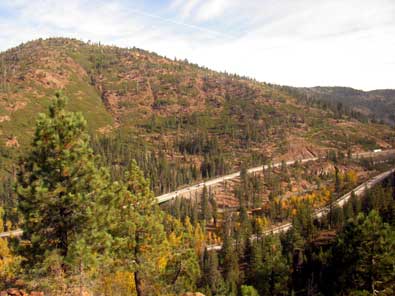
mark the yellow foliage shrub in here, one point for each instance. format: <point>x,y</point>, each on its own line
<point>9,263</point>
<point>120,283</point>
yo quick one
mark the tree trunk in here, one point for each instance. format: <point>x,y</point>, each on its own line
<point>138,283</point>
<point>137,276</point>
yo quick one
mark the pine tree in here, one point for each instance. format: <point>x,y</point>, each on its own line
<point>211,274</point>
<point>337,217</point>
<point>59,187</point>
<point>375,267</point>
<point>214,207</point>
<point>337,181</point>
<point>243,233</point>
<point>303,221</point>
<point>348,210</point>
<point>182,270</point>
<point>205,206</point>
<point>229,258</point>
<point>136,229</point>
<point>271,271</point>
<point>356,203</point>
<point>363,256</point>
<point>194,211</point>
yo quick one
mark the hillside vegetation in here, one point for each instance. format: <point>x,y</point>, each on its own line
<point>85,233</point>
<point>376,105</point>
<point>83,190</point>
<point>186,117</point>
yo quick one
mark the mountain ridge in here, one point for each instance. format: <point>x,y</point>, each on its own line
<point>377,104</point>
<point>169,104</point>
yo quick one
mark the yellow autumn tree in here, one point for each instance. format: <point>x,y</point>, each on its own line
<point>351,178</point>
<point>118,283</point>
<point>180,266</point>
<point>8,261</point>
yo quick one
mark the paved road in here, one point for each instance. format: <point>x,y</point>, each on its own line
<point>359,190</point>
<point>193,188</point>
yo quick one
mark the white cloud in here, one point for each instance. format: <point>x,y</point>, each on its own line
<point>303,43</point>
<point>211,9</point>
<point>188,6</point>
<point>308,42</point>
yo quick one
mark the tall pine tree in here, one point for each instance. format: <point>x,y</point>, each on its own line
<point>135,225</point>
<point>59,187</point>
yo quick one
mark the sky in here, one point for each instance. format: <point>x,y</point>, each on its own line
<point>288,42</point>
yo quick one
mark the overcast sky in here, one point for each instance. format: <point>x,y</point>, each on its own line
<point>293,42</point>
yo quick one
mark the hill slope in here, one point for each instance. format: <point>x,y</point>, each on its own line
<point>182,110</point>
<point>377,104</point>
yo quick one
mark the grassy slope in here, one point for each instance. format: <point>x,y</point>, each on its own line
<point>34,73</point>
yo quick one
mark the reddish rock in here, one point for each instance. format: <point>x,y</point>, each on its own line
<point>14,292</point>
<point>17,292</point>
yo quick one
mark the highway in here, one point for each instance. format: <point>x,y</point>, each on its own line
<point>191,189</point>
<point>197,187</point>
<point>359,191</point>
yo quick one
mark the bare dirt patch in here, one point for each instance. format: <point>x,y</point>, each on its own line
<point>4,118</point>
<point>12,142</point>
<point>105,129</point>
<point>17,105</point>
<point>50,79</point>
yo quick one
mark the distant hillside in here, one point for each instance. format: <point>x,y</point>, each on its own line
<point>173,107</point>
<point>378,105</point>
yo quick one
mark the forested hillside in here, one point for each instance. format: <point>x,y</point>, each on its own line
<point>179,121</point>
<point>87,233</point>
<point>376,105</point>
<point>91,134</point>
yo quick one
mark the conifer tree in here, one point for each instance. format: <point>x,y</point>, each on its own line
<point>375,269</point>
<point>363,256</point>
<point>356,203</point>
<point>269,271</point>
<point>205,206</point>
<point>348,210</point>
<point>243,233</point>
<point>136,230</point>
<point>182,270</point>
<point>337,217</point>
<point>303,221</point>
<point>194,211</point>
<point>337,181</point>
<point>211,274</point>
<point>229,259</point>
<point>59,187</point>
<point>214,207</point>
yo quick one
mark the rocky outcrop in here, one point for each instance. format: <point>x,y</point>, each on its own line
<point>17,292</point>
